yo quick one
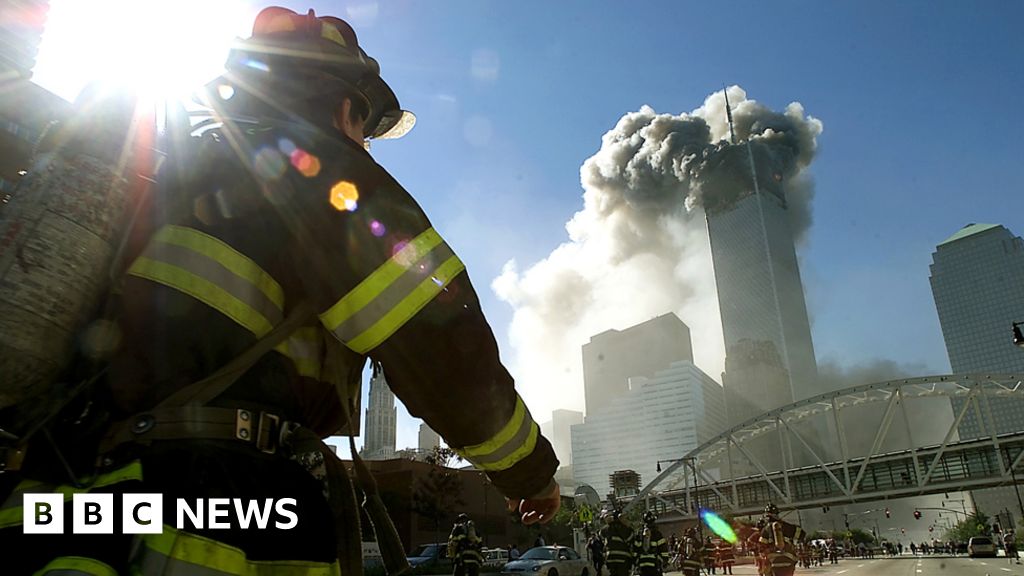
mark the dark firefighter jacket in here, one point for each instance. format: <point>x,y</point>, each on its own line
<point>650,549</point>
<point>780,540</point>
<point>318,219</point>
<point>261,218</point>
<point>618,543</point>
<point>463,546</point>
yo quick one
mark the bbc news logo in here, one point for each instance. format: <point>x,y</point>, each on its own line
<point>144,514</point>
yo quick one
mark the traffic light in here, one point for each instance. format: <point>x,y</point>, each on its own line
<point>886,512</point>
<point>917,514</point>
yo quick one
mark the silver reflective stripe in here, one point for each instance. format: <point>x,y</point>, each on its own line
<point>209,269</point>
<point>517,442</point>
<point>391,296</point>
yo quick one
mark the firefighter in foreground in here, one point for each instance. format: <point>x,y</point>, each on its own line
<point>283,218</point>
<point>464,548</point>
<point>779,541</point>
<point>617,538</point>
<point>650,547</point>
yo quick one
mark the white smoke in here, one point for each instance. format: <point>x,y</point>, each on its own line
<point>639,246</point>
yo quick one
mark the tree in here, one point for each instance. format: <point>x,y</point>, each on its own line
<point>857,536</point>
<point>436,497</point>
<point>976,524</point>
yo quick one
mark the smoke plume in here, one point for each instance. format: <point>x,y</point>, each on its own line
<point>639,246</point>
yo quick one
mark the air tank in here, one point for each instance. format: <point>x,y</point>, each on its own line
<point>58,237</point>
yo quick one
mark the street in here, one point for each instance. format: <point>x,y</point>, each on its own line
<point>905,566</point>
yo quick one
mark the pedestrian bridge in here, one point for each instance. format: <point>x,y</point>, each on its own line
<point>799,456</point>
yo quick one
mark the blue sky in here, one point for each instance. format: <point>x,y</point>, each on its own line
<point>918,101</point>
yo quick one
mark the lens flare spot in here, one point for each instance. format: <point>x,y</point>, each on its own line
<point>269,164</point>
<point>719,526</point>
<point>344,196</point>
<point>287,146</point>
<point>257,65</point>
<point>307,164</point>
<point>377,229</point>
<point>225,91</point>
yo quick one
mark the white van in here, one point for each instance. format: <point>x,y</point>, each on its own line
<point>495,557</point>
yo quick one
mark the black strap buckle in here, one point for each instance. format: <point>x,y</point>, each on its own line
<point>267,433</point>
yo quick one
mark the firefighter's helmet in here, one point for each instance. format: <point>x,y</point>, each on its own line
<point>771,510</point>
<point>306,58</point>
<point>649,517</point>
<point>462,518</point>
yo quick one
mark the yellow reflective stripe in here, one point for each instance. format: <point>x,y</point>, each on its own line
<point>381,278</point>
<point>408,307</point>
<point>515,441</point>
<point>204,291</point>
<point>11,513</point>
<point>233,260</point>
<point>179,552</point>
<point>74,565</point>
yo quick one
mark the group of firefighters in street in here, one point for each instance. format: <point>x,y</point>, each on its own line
<point>776,544</point>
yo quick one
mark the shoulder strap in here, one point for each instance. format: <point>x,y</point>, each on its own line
<point>201,392</point>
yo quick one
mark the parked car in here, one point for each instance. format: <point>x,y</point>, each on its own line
<point>495,557</point>
<point>431,554</point>
<point>981,547</point>
<point>548,561</point>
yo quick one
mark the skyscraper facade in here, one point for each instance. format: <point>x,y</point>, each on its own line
<point>21,33</point>
<point>428,439</point>
<point>381,420</point>
<point>558,432</point>
<point>977,280</point>
<point>761,301</point>
<point>25,108</point>
<point>659,418</point>
<point>614,356</point>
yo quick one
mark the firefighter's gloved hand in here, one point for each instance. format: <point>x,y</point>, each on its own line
<point>540,508</point>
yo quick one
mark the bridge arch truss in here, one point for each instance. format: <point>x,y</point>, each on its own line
<point>799,456</point>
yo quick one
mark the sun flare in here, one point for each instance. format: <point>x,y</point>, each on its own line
<point>162,48</point>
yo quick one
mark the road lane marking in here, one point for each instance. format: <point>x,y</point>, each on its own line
<point>919,571</point>
<point>860,565</point>
<point>1006,570</point>
<point>845,571</point>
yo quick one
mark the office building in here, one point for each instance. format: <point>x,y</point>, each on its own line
<point>21,33</point>
<point>614,356</point>
<point>659,418</point>
<point>25,108</point>
<point>558,432</point>
<point>428,439</point>
<point>381,420</point>
<point>761,301</point>
<point>977,280</point>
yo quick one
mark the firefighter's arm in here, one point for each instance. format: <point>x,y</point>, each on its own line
<point>387,285</point>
